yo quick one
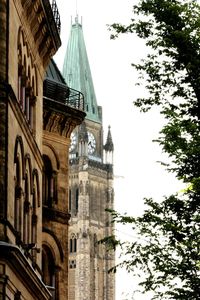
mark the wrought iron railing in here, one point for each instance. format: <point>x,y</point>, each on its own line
<point>56,14</point>
<point>75,99</point>
<point>59,92</point>
<point>52,13</point>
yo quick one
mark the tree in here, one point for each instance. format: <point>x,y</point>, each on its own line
<point>168,248</point>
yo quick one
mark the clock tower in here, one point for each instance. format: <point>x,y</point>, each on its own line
<point>90,185</point>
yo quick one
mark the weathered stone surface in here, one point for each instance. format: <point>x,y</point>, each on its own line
<point>28,39</point>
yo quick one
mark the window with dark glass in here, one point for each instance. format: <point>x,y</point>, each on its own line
<point>34,220</point>
<point>17,219</point>
<point>49,271</point>
<point>26,88</point>
<point>49,189</point>
<point>70,200</point>
<point>73,244</point>
<point>76,200</point>
<point>26,220</point>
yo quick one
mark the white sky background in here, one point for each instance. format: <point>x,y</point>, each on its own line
<point>137,173</point>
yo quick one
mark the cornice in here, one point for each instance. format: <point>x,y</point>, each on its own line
<point>43,27</point>
<point>59,118</point>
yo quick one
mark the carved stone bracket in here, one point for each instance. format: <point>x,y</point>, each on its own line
<point>59,118</point>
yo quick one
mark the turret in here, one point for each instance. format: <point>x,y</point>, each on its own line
<point>109,148</point>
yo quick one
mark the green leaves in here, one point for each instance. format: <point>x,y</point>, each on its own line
<point>167,245</point>
<point>166,248</point>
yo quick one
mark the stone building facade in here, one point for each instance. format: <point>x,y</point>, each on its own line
<point>90,185</point>
<point>35,130</point>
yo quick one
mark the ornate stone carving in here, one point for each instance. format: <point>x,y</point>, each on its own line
<point>60,119</point>
<point>45,31</point>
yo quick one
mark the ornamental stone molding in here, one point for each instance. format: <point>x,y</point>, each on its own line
<point>43,26</point>
<point>59,118</point>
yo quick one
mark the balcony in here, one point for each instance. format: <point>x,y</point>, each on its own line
<point>63,107</point>
<point>52,13</point>
<point>58,92</point>
<point>55,89</point>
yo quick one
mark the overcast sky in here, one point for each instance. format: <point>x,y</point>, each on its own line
<point>137,175</point>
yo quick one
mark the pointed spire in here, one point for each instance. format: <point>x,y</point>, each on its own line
<point>109,146</point>
<point>76,71</point>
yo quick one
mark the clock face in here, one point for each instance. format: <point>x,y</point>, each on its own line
<point>73,141</point>
<point>91,143</point>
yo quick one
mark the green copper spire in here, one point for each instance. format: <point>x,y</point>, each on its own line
<point>76,71</point>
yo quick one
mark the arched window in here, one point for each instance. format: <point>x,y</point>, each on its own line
<point>18,196</point>
<point>27,97</point>
<point>70,200</point>
<point>34,219</point>
<point>27,89</point>
<point>49,270</point>
<point>76,200</point>
<point>34,228</point>
<point>19,53</point>
<point>26,218</point>
<point>73,244</point>
<point>32,104</point>
<point>18,188</point>
<point>29,100</point>
<point>23,85</point>
<point>48,182</point>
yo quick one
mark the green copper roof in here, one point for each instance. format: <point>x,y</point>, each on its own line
<point>76,71</point>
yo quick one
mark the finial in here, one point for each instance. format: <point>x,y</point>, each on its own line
<point>109,143</point>
<point>76,7</point>
<point>76,18</point>
<point>109,148</point>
